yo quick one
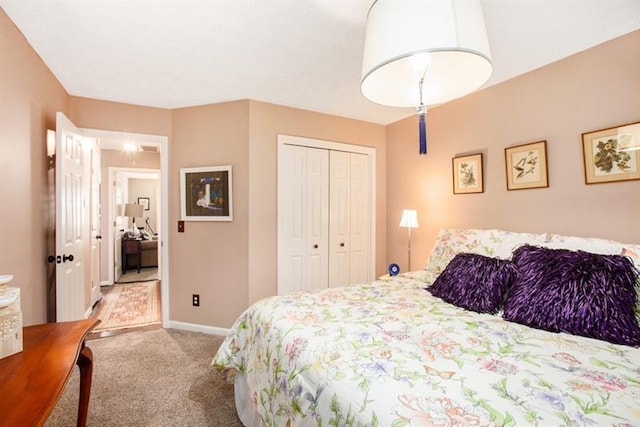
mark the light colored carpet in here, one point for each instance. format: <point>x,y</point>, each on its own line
<point>155,378</point>
<point>129,305</point>
<point>146,274</point>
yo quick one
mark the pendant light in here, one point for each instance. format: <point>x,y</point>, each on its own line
<point>421,53</point>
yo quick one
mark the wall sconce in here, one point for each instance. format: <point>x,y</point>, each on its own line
<point>409,220</point>
<point>51,148</point>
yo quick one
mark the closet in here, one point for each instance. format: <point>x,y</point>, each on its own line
<point>325,214</point>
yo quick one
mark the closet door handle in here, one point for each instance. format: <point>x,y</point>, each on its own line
<point>315,246</point>
<point>342,245</point>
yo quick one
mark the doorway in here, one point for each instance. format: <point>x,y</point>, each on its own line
<point>131,165</point>
<point>135,242</point>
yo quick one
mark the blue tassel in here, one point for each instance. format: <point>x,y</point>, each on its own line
<point>423,135</point>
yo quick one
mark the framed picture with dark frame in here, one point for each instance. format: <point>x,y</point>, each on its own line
<point>612,154</point>
<point>468,174</point>
<point>144,201</point>
<point>206,193</point>
<point>526,166</point>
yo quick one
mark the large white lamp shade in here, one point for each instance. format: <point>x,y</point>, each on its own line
<point>442,42</point>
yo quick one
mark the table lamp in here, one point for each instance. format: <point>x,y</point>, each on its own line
<point>134,211</point>
<point>409,220</point>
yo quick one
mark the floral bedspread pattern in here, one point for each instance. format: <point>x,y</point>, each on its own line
<point>390,354</point>
<point>491,243</point>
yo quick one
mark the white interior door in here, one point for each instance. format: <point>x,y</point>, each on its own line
<point>339,217</point>
<point>306,259</point>
<point>350,218</point>
<point>316,219</point>
<point>303,200</point>
<point>359,219</point>
<point>158,230</point>
<point>119,223</point>
<point>71,221</point>
<point>96,237</point>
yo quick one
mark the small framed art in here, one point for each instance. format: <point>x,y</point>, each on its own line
<point>612,154</point>
<point>144,201</point>
<point>467,174</point>
<point>206,193</point>
<point>526,166</point>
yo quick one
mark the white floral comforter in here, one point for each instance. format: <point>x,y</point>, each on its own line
<point>390,354</point>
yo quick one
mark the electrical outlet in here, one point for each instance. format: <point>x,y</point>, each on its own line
<point>196,300</point>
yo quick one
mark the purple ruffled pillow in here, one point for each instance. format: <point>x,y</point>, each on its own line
<point>577,292</point>
<point>474,282</point>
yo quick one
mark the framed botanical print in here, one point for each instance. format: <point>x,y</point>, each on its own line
<point>612,154</point>
<point>526,166</point>
<point>467,174</point>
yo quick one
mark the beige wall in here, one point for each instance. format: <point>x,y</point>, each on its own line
<point>114,116</point>
<point>210,258</point>
<point>29,98</point>
<point>267,121</point>
<point>592,90</point>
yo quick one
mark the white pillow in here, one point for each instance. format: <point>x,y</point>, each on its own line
<point>586,244</point>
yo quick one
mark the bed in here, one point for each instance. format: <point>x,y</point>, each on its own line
<point>390,353</point>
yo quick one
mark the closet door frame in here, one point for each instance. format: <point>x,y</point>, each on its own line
<point>337,146</point>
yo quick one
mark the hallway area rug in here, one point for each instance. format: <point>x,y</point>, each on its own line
<point>132,275</point>
<point>129,306</point>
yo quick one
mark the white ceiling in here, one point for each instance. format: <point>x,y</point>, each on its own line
<point>305,54</point>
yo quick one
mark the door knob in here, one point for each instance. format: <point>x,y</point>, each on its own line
<point>315,246</point>
<point>342,245</point>
<point>99,237</point>
<point>66,258</point>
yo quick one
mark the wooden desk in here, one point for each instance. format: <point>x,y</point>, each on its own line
<point>31,381</point>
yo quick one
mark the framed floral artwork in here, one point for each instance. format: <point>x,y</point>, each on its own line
<point>526,166</point>
<point>467,174</point>
<point>206,193</point>
<point>612,154</point>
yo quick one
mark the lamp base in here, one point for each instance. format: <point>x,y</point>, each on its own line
<point>134,232</point>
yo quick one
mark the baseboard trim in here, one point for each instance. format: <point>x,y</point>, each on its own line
<point>211,330</point>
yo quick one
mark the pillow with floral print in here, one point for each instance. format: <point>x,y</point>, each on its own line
<point>490,243</point>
